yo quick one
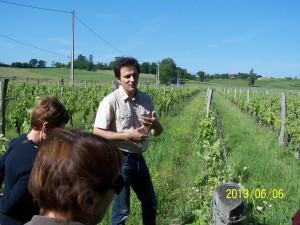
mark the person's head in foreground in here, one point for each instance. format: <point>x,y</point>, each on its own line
<point>75,176</point>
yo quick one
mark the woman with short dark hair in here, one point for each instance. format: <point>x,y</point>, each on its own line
<point>74,178</point>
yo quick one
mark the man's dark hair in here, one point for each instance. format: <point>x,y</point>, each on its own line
<point>125,61</point>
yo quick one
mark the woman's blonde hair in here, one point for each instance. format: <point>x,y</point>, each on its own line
<point>49,109</point>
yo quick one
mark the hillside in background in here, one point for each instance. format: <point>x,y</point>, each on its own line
<point>108,76</point>
<point>63,73</point>
<point>265,83</point>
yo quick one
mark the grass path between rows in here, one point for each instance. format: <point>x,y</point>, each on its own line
<point>173,162</point>
<point>173,165</point>
<point>255,155</point>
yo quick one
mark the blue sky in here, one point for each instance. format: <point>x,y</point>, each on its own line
<point>214,36</point>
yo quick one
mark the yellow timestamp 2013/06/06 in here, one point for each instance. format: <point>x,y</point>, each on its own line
<point>257,193</point>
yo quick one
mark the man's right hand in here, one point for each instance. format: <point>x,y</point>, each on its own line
<point>138,135</point>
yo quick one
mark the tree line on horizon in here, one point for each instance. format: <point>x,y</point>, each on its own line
<point>33,63</point>
<point>169,72</point>
<point>250,77</point>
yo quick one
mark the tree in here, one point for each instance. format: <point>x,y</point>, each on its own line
<point>100,66</point>
<point>81,62</point>
<point>33,62</point>
<point>187,75</point>
<point>224,76</point>
<point>167,70</point>
<point>251,78</point>
<point>17,64</point>
<point>201,76</point>
<point>41,64</point>
<point>90,65</point>
<point>153,68</point>
<point>58,64</point>
<point>91,59</point>
<point>111,65</point>
<point>145,67</point>
<point>3,65</point>
<point>242,76</point>
<point>81,57</point>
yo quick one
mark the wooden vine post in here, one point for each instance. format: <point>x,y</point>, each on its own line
<point>234,94</point>
<point>147,85</point>
<point>283,118</point>
<point>114,85</point>
<point>228,205</point>
<point>3,92</point>
<point>62,86</point>
<point>248,95</point>
<point>209,99</point>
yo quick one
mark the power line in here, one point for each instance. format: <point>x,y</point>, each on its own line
<point>45,50</point>
<point>61,11</point>
<point>35,7</point>
<point>99,36</point>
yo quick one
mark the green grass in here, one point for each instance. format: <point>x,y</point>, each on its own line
<point>293,84</point>
<point>279,84</point>
<point>254,153</point>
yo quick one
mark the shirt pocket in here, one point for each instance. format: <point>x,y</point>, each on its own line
<point>124,120</point>
<point>143,112</point>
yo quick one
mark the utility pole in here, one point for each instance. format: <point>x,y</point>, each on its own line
<point>72,53</point>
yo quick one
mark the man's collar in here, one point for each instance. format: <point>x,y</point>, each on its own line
<point>125,96</point>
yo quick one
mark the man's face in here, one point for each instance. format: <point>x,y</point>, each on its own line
<point>129,79</point>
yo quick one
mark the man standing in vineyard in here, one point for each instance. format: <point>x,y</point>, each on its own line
<point>126,117</point>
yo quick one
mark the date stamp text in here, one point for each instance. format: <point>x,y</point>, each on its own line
<point>256,193</point>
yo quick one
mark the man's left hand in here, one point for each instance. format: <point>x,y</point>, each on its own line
<point>148,121</point>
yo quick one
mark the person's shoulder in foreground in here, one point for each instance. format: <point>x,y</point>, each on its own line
<point>74,177</point>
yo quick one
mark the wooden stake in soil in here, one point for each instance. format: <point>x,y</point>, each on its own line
<point>209,99</point>
<point>228,204</point>
<point>283,118</point>
<point>3,92</point>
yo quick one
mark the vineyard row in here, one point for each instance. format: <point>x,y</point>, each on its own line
<point>278,110</point>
